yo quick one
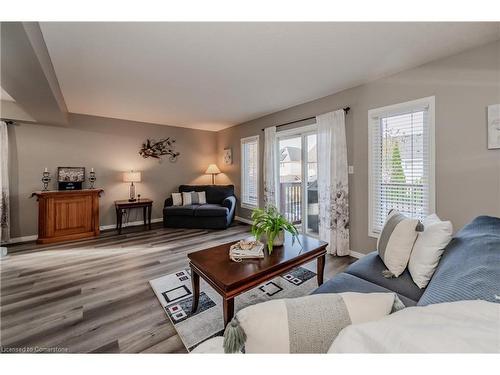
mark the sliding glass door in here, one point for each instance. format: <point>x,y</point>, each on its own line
<point>311,196</point>
<point>298,178</point>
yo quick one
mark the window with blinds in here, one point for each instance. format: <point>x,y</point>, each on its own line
<point>401,161</point>
<point>250,172</point>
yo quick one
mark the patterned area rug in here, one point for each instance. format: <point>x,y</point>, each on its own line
<point>174,293</point>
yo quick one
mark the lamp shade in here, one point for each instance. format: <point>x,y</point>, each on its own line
<point>131,176</point>
<point>212,169</point>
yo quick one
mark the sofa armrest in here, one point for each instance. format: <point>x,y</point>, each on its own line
<point>229,202</point>
<point>168,202</point>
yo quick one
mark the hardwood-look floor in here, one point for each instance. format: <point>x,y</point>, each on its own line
<point>94,296</point>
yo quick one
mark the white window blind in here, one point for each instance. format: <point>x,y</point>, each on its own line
<point>401,161</point>
<point>250,172</point>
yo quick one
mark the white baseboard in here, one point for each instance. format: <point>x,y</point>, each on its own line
<point>102,227</point>
<point>355,254</point>
<point>243,220</point>
<point>130,224</point>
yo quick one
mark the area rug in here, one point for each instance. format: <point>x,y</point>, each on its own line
<point>175,296</point>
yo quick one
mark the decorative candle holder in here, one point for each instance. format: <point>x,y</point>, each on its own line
<point>46,179</point>
<point>92,179</point>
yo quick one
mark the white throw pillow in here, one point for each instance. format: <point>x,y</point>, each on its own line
<point>449,327</point>
<point>186,198</point>
<point>202,197</point>
<point>396,242</point>
<point>428,249</point>
<point>176,199</point>
<point>303,325</point>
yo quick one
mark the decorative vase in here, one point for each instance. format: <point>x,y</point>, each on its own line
<point>279,240</point>
<point>46,179</point>
<point>92,179</point>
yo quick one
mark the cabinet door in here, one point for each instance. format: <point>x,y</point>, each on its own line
<point>72,214</point>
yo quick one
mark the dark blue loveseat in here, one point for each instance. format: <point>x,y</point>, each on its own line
<point>217,213</point>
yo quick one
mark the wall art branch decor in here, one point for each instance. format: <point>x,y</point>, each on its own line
<point>154,149</point>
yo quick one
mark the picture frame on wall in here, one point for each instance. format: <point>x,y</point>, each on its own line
<point>493,126</point>
<point>228,156</point>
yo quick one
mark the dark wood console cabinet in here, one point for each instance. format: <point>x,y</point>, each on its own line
<point>67,215</point>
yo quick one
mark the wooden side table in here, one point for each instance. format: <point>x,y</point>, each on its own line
<point>123,205</point>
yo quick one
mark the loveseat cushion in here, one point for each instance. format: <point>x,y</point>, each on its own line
<point>469,268</point>
<point>211,210</point>
<point>180,210</point>
<point>344,282</point>
<point>215,193</point>
<point>370,268</point>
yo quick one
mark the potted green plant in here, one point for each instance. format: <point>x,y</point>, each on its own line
<point>272,225</point>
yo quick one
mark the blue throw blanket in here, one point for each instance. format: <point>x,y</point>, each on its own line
<point>470,266</point>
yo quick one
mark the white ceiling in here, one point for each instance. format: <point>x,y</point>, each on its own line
<point>215,75</point>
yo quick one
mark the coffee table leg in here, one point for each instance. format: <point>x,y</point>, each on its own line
<point>195,280</point>
<point>321,269</point>
<point>228,307</point>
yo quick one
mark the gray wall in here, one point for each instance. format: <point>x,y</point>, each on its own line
<point>110,146</point>
<point>467,174</point>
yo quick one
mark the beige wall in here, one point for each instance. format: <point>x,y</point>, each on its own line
<point>110,147</point>
<point>12,110</point>
<point>467,174</point>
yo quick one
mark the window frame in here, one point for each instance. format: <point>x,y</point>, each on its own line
<point>393,110</point>
<point>243,141</point>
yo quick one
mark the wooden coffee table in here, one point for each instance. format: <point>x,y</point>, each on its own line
<point>230,278</point>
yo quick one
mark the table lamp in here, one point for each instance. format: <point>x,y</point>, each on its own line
<point>132,177</point>
<point>213,170</point>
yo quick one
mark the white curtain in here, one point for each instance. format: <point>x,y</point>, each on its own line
<point>4,184</point>
<point>270,173</point>
<point>333,189</point>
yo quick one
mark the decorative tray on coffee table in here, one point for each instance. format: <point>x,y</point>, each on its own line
<point>248,248</point>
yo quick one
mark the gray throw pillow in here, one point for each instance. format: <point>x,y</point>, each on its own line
<point>396,242</point>
<point>194,198</point>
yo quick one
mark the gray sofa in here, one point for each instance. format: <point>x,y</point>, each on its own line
<point>468,270</point>
<point>217,213</point>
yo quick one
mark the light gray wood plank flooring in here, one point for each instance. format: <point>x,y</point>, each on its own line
<point>94,296</point>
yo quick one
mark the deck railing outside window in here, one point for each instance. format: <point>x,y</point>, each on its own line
<point>291,201</point>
